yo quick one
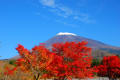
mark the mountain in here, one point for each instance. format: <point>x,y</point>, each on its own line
<point>99,49</point>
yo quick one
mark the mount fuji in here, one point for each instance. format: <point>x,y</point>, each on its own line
<point>99,49</point>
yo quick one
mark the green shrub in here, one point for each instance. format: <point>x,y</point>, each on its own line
<point>12,62</point>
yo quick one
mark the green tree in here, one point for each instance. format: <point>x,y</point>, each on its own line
<point>95,62</point>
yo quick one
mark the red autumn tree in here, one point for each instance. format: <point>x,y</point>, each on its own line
<point>65,60</point>
<point>75,60</point>
<point>34,61</point>
<point>110,67</point>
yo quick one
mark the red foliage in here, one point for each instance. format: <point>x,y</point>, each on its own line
<point>72,60</point>
<point>65,60</point>
<point>110,67</point>
<point>9,71</point>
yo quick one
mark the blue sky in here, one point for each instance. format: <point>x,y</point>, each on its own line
<point>30,22</point>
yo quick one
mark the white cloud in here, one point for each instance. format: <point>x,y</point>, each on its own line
<point>62,11</point>
<point>66,12</point>
<point>83,18</point>
<point>57,8</point>
<point>49,3</point>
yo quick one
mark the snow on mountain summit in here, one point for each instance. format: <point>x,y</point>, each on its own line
<point>66,33</point>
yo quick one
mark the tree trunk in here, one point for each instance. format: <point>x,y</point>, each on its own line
<point>36,77</point>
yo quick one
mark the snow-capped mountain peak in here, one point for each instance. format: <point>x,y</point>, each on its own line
<point>66,33</point>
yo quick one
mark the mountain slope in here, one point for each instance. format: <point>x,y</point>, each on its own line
<point>97,46</point>
<point>91,43</point>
